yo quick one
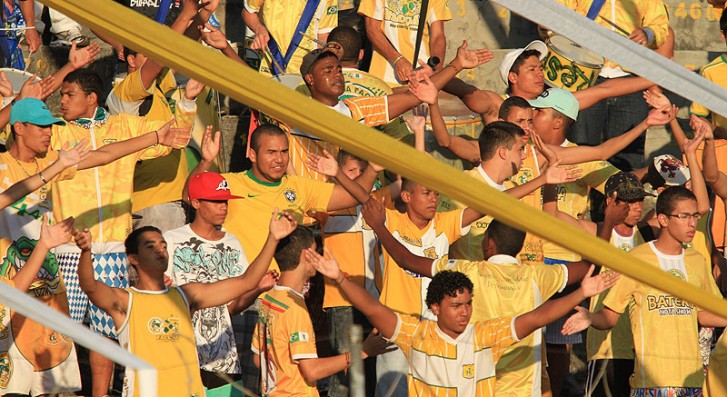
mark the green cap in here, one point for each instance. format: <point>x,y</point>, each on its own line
<point>33,111</point>
<point>558,99</point>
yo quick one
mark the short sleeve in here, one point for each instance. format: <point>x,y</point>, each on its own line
<point>372,8</point>
<point>301,338</point>
<point>128,94</point>
<point>439,11</point>
<point>620,295</point>
<point>253,6</point>
<point>450,223</point>
<point>497,334</point>
<point>597,173</point>
<point>371,111</point>
<point>403,335</point>
<point>550,279</point>
<point>318,194</point>
<point>697,108</point>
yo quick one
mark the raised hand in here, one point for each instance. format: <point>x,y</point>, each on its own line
<point>210,144</point>
<point>83,239</point>
<point>268,281</point>
<point>79,58</point>
<point>326,165</point>
<point>193,89</point>
<point>656,99</point>
<point>419,121</point>
<point>282,224</point>
<point>375,344</point>
<point>70,156</point>
<point>577,322</point>
<point>594,285</point>
<point>469,59</point>
<point>214,38</point>
<point>327,267</point>
<point>700,124</point>
<point>373,213</point>
<point>616,210</point>
<point>691,145</point>
<point>175,138</point>
<point>54,235</point>
<point>425,90</point>
<point>6,88</point>
<point>660,116</point>
<point>555,174</point>
<point>546,151</point>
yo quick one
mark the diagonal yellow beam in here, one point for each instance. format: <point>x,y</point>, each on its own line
<point>246,86</point>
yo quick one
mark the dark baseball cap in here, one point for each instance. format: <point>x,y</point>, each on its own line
<point>312,57</point>
<point>627,187</point>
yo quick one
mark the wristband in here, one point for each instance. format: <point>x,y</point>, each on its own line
<point>348,362</point>
<point>449,65</point>
<point>42,178</point>
<point>157,134</point>
<point>399,58</point>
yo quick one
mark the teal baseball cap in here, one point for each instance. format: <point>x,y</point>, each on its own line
<point>33,111</point>
<point>558,99</point>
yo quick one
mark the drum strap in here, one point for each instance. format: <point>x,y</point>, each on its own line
<point>305,19</point>
<point>164,6</point>
<point>420,31</point>
<point>595,9</point>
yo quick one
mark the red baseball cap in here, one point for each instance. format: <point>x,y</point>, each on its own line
<point>210,186</point>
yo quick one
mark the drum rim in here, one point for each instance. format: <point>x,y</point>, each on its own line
<point>552,46</point>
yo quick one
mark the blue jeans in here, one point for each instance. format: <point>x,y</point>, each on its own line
<point>610,118</point>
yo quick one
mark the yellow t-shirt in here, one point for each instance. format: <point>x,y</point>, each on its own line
<point>503,287</point>
<point>715,384</point>
<point>628,15</point>
<point>617,342</point>
<point>442,366</point>
<point>402,290</point>
<point>249,217</point>
<point>283,336</point>
<point>281,19</point>
<point>573,199</point>
<point>664,326</point>
<point>100,198</point>
<point>716,72</point>
<point>158,329</point>
<point>399,23</point>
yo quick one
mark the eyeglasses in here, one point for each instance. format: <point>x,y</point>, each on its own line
<point>684,215</point>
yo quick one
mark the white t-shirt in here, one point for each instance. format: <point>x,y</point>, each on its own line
<point>193,259</point>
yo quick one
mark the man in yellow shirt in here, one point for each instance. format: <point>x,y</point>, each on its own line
<point>283,30</point>
<point>668,360</point>
<point>451,353</point>
<point>392,29</point>
<point>155,321</point>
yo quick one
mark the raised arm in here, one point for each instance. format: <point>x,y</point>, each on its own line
<point>609,89</point>
<point>223,292</point>
<point>699,187</point>
<point>328,166</point>
<point>175,138</point>
<point>210,149</point>
<point>216,38</point>
<point>557,308</point>
<point>380,316</point>
<point>342,197</point>
<point>712,175</point>
<point>375,216</point>
<point>114,301</point>
<point>77,58</point>
<point>50,237</point>
<point>462,148</point>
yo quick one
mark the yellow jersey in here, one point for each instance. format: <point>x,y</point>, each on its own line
<point>400,22</point>
<point>442,366</point>
<point>573,199</point>
<point>716,72</point>
<point>100,198</point>
<point>714,383</point>
<point>404,291</point>
<point>158,329</point>
<point>281,19</point>
<point>249,218</point>
<point>283,336</point>
<point>664,326</point>
<point>503,287</point>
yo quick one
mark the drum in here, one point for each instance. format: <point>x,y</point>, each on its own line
<point>17,77</point>
<point>569,65</point>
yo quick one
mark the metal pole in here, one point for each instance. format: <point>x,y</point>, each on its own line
<point>356,377</point>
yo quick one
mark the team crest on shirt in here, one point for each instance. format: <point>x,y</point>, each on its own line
<point>290,195</point>
<point>109,141</point>
<point>430,253</point>
<point>164,329</point>
<point>299,337</point>
<point>6,369</point>
<point>468,371</point>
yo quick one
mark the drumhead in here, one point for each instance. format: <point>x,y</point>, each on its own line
<point>17,77</point>
<point>292,81</point>
<point>574,53</point>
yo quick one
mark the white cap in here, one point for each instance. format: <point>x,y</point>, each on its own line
<point>510,57</point>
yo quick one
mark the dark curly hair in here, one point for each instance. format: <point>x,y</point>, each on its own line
<point>448,283</point>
